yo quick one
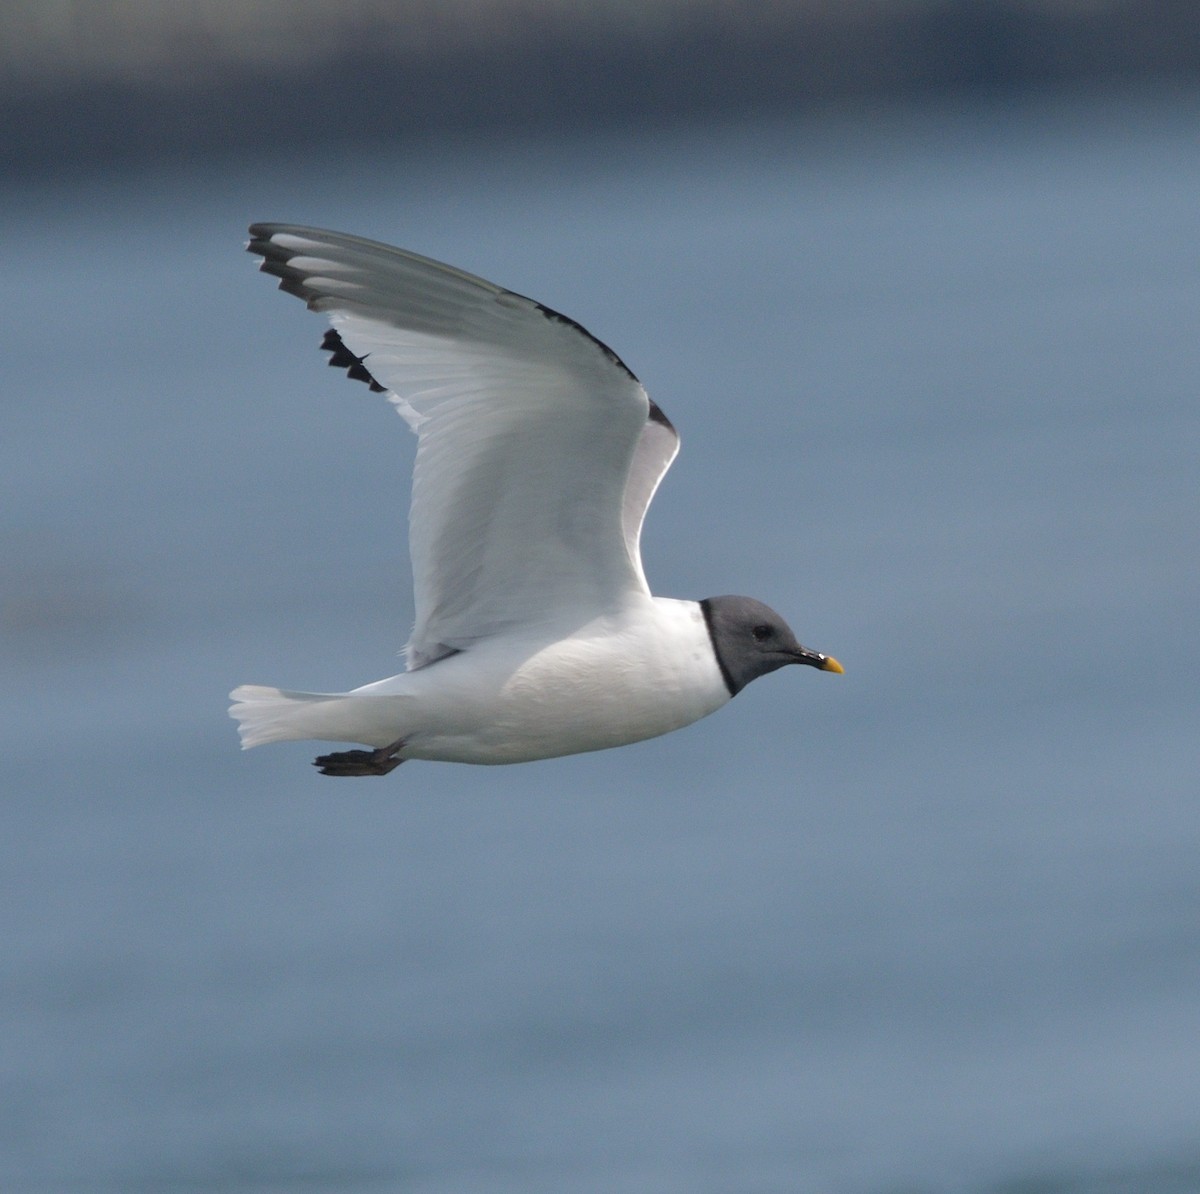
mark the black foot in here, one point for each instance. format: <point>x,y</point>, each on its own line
<point>360,762</point>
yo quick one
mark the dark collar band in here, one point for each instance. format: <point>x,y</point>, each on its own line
<point>706,607</point>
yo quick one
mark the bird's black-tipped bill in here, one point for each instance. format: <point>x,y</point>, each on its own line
<point>824,663</point>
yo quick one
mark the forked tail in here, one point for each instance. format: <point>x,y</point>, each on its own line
<point>272,715</point>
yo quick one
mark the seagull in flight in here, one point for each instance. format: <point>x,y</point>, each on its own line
<point>538,452</point>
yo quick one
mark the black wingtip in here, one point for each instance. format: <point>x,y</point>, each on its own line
<point>276,261</point>
<point>656,416</point>
<point>339,354</point>
<point>340,357</point>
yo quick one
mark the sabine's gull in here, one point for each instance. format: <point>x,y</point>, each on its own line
<point>538,452</point>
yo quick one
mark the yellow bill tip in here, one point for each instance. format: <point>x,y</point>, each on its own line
<point>832,665</point>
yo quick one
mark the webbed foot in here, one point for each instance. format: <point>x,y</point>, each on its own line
<point>361,762</point>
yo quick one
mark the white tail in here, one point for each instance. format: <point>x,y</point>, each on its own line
<point>273,715</point>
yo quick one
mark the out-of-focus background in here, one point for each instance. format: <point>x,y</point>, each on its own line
<point>919,283</point>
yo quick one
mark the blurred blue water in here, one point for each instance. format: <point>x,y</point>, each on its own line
<point>931,927</point>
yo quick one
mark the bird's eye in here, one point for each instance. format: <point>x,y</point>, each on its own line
<point>762,633</point>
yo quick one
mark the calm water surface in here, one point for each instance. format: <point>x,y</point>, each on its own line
<point>930,927</point>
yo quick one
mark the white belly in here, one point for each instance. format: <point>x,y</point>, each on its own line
<point>618,680</point>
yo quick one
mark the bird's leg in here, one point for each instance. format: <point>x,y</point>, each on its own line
<point>361,762</point>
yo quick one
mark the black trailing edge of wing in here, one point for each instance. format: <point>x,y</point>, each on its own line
<point>340,357</point>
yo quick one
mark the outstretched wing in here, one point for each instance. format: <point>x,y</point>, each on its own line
<point>657,447</point>
<point>538,450</point>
